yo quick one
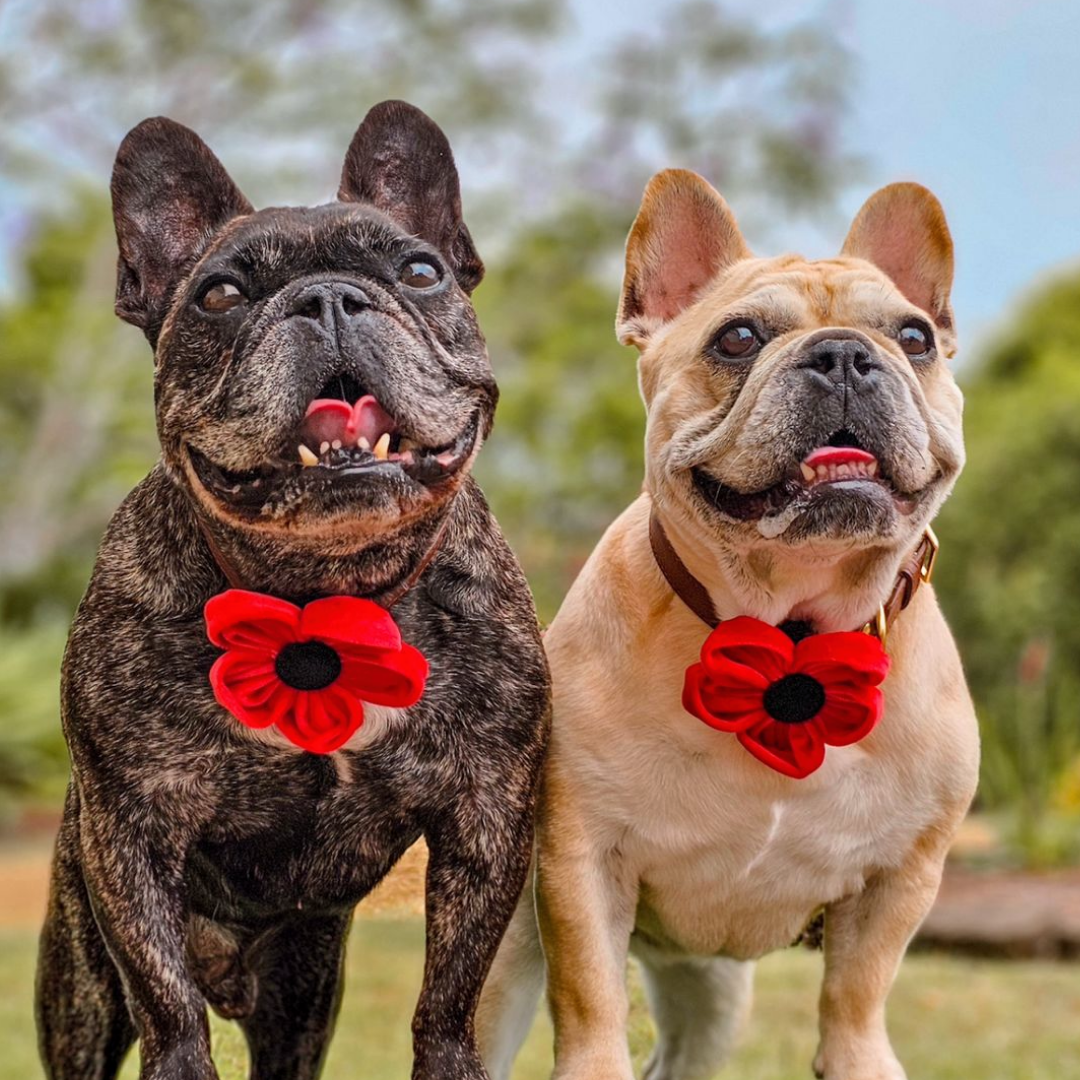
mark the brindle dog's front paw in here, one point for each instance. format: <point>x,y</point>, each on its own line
<point>448,1059</point>
<point>858,1059</point>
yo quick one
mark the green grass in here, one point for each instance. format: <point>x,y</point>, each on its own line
<point>951,1019</point>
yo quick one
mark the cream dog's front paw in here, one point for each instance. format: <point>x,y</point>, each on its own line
<point>857,1059</point>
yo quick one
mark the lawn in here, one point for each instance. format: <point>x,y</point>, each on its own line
<point>951,1019</point>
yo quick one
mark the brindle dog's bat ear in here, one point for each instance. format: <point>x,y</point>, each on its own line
<point>902,230</point>
<point>170,194</point>
<point>683,236</point>
<point>400,161</point>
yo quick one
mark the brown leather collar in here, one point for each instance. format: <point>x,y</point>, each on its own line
<point>232,576</point>
<point>918,568</point>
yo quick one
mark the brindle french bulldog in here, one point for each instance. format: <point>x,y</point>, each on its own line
<point>203,861</point>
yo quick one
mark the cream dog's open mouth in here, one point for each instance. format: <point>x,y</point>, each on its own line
<point>839,467</point>
<point>343,439</point>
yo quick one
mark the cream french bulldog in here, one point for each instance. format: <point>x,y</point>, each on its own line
<point>803,430</point>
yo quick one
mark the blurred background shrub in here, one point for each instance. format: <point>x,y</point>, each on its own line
<point>555,142</point>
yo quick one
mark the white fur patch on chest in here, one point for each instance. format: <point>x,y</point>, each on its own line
<point>378,719</point>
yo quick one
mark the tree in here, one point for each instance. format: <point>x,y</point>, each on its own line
<point>1010,572</point>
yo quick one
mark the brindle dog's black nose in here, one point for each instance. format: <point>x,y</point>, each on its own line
<point>325,302</point>
<point>841,360</point>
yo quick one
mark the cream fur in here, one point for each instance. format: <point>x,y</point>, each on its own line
<point>661,837</point>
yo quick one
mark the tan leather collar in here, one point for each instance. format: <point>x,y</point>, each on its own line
<point>917,569</point>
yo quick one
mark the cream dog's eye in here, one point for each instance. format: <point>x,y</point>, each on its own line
<point>737,341</point>
<point>915,339</point>
<point>222,297</point>
<point>420,275</point>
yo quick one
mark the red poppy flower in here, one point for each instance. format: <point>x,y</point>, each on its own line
<point>786,701</point>
<point>308,670</point>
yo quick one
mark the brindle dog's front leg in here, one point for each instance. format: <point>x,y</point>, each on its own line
<point>134,867</point>
<point>865,939</point>
<point>479,858</point>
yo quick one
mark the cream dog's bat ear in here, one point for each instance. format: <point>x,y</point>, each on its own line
<point>683,236</point>
<point>902,230</point>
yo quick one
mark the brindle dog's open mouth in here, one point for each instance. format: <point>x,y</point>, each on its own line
<point>841,465</point>
<point>346,437</point>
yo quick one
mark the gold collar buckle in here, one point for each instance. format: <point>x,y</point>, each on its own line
<point>933,546</point>
<point>878,626</point>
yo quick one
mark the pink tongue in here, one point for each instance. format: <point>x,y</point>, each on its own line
<point>368,421</point>
<point>330,420</point>
<point>837,455</point>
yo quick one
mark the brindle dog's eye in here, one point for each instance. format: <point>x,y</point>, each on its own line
<point>915,339</point>
<point>420,275</point>
<point>222,297</point>
<point>739,341</point>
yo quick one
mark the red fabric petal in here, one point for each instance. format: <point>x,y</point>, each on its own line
<point>845,657</point>
<point>322,721</point>
<point>238,619</point>
<point>750,644</point>
<point>247,685</point>
<point>724,707</point>
<point>253,628</point>
<point>350,623</point>
<point>796,750</point>
<point>396,679</point>
<point>849,714</point>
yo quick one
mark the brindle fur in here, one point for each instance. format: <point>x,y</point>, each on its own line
<point>199,861</point>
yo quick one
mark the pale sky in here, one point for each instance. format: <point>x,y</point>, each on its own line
<point>977,99</point>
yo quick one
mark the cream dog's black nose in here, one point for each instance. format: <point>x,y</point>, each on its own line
<point>841,360</point>
<point>326,301</point>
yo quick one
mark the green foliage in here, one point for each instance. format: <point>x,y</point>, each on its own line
<point>1010,576</point>
<point>76,416</point>
<point>33,758</point>
<point>566,454</point>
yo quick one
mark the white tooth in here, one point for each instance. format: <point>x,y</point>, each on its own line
<point>822,473</point>
<point>306,456</point>
<point>336,444</point>
<point>843,471</point>
<point>808,472</point>
<point>323,447</point>
<point>363,443</point>
<point>872,468</point>
<point>382,448</point>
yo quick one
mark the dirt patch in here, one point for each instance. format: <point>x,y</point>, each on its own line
<point>24,886</point>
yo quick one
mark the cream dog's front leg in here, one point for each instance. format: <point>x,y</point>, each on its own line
<point>586,901</point>
<point>865,939</point>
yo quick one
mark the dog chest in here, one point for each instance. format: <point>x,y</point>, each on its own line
<point>733,859</point>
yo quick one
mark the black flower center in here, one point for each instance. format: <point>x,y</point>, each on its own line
<point>794,699</point>
<point>307,665</point>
